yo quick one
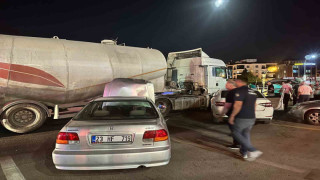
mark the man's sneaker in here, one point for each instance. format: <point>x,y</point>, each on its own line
<point>233,146</point>
<point>253,155</point>
<point>245,156</point>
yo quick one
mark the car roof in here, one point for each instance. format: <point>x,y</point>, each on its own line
<point>121,98</point>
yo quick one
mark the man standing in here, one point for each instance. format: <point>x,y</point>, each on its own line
<point>228,107</point>
<point>243,118</point>
<point>317,91</point>
<point>286,89</point>
<point>304,92</point>
<point>270,89</point>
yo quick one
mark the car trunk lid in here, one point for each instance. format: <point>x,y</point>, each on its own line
<point>112,134</point>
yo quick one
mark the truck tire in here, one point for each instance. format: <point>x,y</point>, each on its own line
<point>166,103</point>
<point>313,117</point>
<point>23,118</point>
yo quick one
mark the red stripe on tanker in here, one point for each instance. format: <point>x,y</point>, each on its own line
<point>28,74</point>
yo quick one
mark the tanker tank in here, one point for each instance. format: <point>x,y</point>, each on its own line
<point>58,71</point>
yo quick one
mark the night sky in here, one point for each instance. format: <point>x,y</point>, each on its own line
<point>269,30</point>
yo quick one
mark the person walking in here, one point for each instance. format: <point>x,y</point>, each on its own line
<point>286,89</point>
<point>228,107</point>
<point>243,118</point>
<point>312,94</point>
<point>304,92</point>
<point>295,94</point>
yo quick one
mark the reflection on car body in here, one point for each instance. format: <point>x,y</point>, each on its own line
<point>307,111</point>
<point>114,133</point>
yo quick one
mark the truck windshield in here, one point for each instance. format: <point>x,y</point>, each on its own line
<point>219,72</point>
<point>118,110</point>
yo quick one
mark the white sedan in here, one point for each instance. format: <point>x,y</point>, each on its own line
<point>264,109</point>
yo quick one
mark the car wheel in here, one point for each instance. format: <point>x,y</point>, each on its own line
<point>23,118</point>
<point>313,117</point>
<point>167,106</point>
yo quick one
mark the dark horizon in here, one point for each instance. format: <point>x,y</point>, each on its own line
<point>248,29</point>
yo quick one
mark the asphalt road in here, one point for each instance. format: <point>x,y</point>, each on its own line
<point>291,151</point>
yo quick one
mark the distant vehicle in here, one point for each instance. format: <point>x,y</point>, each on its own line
<point>114,133</point>
<point>307,111</point>
<point>264,109</point>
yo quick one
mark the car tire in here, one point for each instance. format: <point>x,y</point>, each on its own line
<point>313,117</point>
<point>166,103</point>
<point>23,118</point>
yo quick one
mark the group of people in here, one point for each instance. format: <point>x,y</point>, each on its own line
<point>240,108</point>
<point>299,93</point>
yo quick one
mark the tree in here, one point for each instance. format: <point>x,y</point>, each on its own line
<point>248,77</point>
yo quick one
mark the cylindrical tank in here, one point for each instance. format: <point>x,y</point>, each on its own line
<point>62,71</point>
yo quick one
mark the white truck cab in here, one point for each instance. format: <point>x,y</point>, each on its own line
<point>191,80</point>
<point>196,70</point>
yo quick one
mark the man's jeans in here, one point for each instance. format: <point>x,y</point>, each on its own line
<point>235,142</point>
<point>241,132</point>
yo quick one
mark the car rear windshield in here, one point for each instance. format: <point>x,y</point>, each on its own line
<point>118,110</point>
<point>224,94</point>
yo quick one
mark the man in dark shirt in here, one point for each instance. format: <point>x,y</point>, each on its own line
<point>243,118</point>
<point>228,107</point>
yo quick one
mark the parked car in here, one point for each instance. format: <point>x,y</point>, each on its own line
<point>264,109</point>
<point>307,111</point>
<point>114,133</point>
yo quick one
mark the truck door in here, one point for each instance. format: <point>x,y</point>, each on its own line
<point>216,78</point>
<point>211,80</point>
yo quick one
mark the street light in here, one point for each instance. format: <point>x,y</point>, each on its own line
<point>218,3</point>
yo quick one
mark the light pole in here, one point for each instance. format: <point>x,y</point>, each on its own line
<point>309,57</point>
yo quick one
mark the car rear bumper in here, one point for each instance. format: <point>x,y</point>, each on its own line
<point>102,160</point>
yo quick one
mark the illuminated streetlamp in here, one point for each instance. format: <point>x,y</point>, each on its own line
<point>218,3</point>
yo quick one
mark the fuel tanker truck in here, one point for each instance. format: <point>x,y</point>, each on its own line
<point>40,76</point>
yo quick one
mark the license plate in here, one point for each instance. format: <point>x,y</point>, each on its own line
<point>111,139</point>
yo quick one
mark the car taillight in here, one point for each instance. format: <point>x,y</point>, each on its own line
<point>157,135</point>
<point>266,104</point>
<point>161,135</point>
<point>67,138</point>
<point>220,103</point>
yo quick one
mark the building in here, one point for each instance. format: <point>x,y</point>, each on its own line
<point>291,69</point>
<point>257,69</point>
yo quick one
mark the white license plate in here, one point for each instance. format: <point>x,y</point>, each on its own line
<point>111,139</point>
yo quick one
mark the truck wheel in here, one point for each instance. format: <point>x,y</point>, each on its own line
<point>167,106</point>
<point>23,118</point>
<point>313,117</point>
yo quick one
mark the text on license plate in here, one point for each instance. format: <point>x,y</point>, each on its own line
<point>111,138</point>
